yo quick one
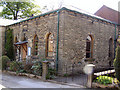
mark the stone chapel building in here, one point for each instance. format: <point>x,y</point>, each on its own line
<point>64,37</point>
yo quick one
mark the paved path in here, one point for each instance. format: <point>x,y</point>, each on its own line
<point>11,81</point>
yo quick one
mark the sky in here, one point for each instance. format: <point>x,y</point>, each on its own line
<point>90,6</point>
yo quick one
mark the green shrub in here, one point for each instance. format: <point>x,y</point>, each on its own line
<point>44,59</point>
<point>3,62</point>
<point>51,73</point>
<point>37,68</point>
<point>104,80</point>
<point>65,75</point>
<point>117,63</point>
<point>16,66</point>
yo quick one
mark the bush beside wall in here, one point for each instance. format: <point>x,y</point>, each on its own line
<point>3,62</point>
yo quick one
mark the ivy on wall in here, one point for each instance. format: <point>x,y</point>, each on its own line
<point>9,49</point>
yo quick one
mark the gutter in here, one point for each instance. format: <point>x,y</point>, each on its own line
<point>57,40</point>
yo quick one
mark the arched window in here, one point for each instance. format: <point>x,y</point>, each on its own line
<point>110,48</point>
<point>89,47</point>
<point>49,45</point>
<point>35,45</point>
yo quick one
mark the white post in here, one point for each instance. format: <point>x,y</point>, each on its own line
<point>88,69</point>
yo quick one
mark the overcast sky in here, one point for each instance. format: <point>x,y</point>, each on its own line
<point>90,6</point>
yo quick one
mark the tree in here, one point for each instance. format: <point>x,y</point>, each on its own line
<point>117,63</point>
<point>15,10</point>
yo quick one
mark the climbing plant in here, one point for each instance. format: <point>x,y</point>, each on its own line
<point>9,50</point>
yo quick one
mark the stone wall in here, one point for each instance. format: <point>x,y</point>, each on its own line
<point>76,29</point>
<point>39,26</point>
<point>2,39</point>
<point>73,31</point>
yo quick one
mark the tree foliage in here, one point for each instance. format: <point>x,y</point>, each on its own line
<point>15,10</point>
<point>117,63</point>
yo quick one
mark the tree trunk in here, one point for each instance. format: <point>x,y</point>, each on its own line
<point>15,17</point>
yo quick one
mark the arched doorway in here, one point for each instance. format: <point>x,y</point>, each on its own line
<point>22,48</point>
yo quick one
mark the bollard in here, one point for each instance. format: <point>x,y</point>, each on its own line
<point>44,69</point>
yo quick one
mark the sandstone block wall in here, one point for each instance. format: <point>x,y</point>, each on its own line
<point>40,26</point>
<point>76,29</point>
<point>2,39</point>
<point>73,31</point>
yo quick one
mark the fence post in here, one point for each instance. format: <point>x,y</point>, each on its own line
<point>44,69</point>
